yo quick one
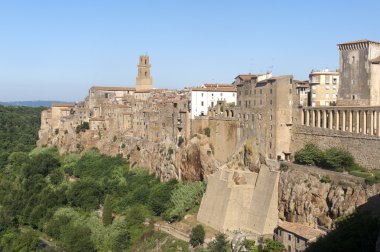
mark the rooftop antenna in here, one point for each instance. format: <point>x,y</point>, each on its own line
<point>250,65</point>
<point>270,69</point>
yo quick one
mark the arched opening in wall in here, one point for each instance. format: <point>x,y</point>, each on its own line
<point>146,74</point>
<point>227,113</point>
<point>321,122</point>
<point>328,119</point>
<point>232,113</point>
<point>333,116</point>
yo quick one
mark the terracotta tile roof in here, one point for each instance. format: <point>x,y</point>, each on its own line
<point>246,76</point>
<point>96,119</point>
<point>376,60</point>
<point>301,230</point>
<point>359,41</point>
<point>68,105</point>
<point>217,85</point>
<point>114,88</point>
<point>217,89</point>
<point>144,91</point>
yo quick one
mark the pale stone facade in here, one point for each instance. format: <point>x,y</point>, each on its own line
<point>208,95</point>
<point>324,86</point>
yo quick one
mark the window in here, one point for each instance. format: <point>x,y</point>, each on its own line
<point>221,94</point>
<point>289,237</point>
<point>202,94</point>
<point>327,79</point>
<point>212,94</point>
<point>298,240</point>
<point>202,103</point>
<point>270,102</point>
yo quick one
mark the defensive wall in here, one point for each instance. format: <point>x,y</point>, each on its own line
<point>241,200</point>
<point>364,148</point>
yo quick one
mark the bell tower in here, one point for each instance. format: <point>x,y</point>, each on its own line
<point>143,80</point>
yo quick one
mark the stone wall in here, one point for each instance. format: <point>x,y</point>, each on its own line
<point>224,135</point>
<point>364,148</point>
<point>241,200</point>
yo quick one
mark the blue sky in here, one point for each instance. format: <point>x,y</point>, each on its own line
<point>56,50</point>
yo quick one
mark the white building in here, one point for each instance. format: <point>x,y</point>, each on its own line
<point>208,95</point>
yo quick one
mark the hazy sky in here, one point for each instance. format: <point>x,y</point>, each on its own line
<point>56,50</point>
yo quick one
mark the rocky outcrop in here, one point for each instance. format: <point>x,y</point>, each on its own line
<point>307,196</point>
<point>192,161</point>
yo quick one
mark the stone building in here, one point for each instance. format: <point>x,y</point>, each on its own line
<point>143,80</point>
<point>360,73</point>
<point>295,236</point>
<point>266,111</point>
<point>324,86</point>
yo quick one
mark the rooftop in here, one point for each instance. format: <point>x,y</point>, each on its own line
<point>358,41</point>
<point>64,105</point>
<point>215,89</point>
<point>301,230</point>
<point>113,88</point>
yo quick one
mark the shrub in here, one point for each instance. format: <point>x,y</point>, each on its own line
<point>197,236</point>
<point>219,244</point>
<point>107,211</point>
<point>338,159</point>
<point>170,151</point>
<point>284,166</point>
<point>310,154</point>
<point>82,127</point>
<point>325,179</point>
<point>207,131</point>
<point>273,246</point>
<point>180,140</point>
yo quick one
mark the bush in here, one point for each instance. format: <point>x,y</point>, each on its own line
<point>219,244</point>
<point>325,179</point>
<point>273,246</point>
<point>197,236</point>
<point>207,131</point>
<point>184,198</point>
<point>180,140</point>
<point>284,166</point>
<point>338,159</point>
<point>82,127</point>
<point>107,211</point>
<point>310,154</point>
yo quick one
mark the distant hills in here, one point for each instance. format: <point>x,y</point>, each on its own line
<point>31,103</point>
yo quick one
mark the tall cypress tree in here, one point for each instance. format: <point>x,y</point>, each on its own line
<point>107,211</point>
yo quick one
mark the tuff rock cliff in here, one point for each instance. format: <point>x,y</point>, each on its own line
<point>305,198</point>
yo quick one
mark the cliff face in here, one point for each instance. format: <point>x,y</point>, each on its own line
<point>305,199</point>
<point>192,161</point>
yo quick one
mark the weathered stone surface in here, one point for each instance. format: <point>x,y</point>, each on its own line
<point>305,199</point>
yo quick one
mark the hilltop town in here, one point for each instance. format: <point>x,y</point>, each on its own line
<point>242,138</point>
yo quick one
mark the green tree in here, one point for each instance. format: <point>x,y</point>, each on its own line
<point>77,239</point>
<point>338,159</point>
<point>197,235</point>
<point>107,211</point>
<point>273,246</point>
<point>207,131</point>
<point>310,154</point>
<point>86,193</point>
<point>219,244</point>
<point>56,177</point>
